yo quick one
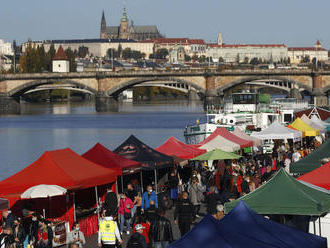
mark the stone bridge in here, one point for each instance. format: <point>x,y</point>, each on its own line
<point>211,84</point>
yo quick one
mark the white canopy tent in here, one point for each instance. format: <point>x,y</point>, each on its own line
<point>278,131</point>
<point>221,143</point>
<point>311,123</point>
<point>256,141</point>
<point>318,121</point>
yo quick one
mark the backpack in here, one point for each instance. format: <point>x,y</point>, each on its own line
<point>134,242</point>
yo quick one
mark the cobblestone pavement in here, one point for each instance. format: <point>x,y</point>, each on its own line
<point>91,241</point>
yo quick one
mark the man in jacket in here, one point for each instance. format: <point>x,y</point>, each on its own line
<point>76,236</point>
<point>148,196</point>
<point>108,232</point>
<point>137,240</point>
<point>6,237</point>
<point>111,202</point>
<point>161,230</point>
<point>183,214</point>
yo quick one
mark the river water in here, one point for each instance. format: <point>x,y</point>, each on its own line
<point>41,127</point>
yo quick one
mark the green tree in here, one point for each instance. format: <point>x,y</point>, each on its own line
<point>254,61</point>
<point>161,53</point>
<point>221,60</point>
<point>187,58</point>
<point>127,53</point>
<point>70,56</point>
<point>194,57</point>
<point>305,59</point>
<point>82,51</point>
<point>246,60</point>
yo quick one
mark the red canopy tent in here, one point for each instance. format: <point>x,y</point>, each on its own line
<point>174,147</point>
<point>59,167</point>
<point>103,156</point>
<point>319,177</point>
<point>229,136</point>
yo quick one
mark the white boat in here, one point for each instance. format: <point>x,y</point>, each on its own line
<point>244,110</point>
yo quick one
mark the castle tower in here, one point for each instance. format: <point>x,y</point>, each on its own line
<point>103,26</point>
<point>318,44</point>
<point>220,42</point>
<point>124,26</point>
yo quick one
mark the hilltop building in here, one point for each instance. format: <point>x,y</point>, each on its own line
<point>6,48</point>
<point>127,30</point>
<point>301,54</point>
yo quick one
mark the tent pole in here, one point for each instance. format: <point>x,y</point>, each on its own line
<point>141,181</point>
<point>97,205</point>
<point>314,226</point>
<point>156,186</point>
<point>320,226</point>
<point>74,207</point>
<point>117,186</point>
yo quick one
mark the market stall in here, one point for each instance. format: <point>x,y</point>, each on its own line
<point>276,131</point>
<point>307,130</point>
<point>256,141</point>
<point>173,147</point>
<point>313,160</point>
<point>242,227</point>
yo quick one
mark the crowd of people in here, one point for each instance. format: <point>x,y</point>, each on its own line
<point>144,217</point>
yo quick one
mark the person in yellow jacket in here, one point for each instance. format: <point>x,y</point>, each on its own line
<point>108,233</point>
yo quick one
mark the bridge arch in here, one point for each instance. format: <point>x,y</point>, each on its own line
<point>286,81</point>
<point>116,90</point>
<point>21,89</point>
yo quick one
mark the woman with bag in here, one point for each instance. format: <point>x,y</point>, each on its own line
<point>124,211</point>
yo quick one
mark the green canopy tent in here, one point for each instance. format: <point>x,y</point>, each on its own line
<point>284,195</point>
<point>217,154</point>
<point>312,161</point>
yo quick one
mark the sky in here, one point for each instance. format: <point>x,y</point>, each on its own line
<point>290,22</point>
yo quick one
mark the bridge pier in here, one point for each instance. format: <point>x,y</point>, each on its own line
<point>295,93</point>
<point>105,103</point>
<point>9,105</point>
<point>193,96</point>
<point>320,99</point>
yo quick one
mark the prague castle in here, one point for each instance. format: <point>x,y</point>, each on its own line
<point>128,31</point>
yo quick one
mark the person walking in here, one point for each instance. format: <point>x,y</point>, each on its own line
<point>76,236</point>
<point>124,211</point>
<point>133,195</point>
<point>108,232</point>
<point>183,213</point>
<point>196,191</point>
<point>18,233</point>
<point>161,230</point>
<point>111,202</point>
<point>148,196</point>
<point>137,240</point>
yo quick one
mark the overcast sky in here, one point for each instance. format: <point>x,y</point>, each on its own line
<point>292,22</point>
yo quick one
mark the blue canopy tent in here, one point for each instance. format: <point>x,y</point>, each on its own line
<point>242,227</point>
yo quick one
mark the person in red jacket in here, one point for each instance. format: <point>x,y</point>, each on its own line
<point>236,182</point>
<point>146,227</point>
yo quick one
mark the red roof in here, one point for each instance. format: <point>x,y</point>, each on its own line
<point>323,113</point>
<point>179,41</point>
<point>246,45</point>
<point>229,136</point>
<point>174,147</point>
<point>59,167</point>
<point>103,156</point>
<point>319,177</point>
<point>60,54</point>
<point>306,49</point>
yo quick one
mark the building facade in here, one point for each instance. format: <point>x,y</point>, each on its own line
<point>96,47</point>
<point>307,54</point>
<point>240,53</point>
<point>191,46</point>
<point>60,61</point>
<point>6,48</point>
<point>127,30</point>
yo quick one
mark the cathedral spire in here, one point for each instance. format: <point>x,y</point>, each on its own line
<point>103,22</point>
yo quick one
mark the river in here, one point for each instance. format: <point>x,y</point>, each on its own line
<point>48,126</point>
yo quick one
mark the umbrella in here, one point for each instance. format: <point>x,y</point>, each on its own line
<point>4,204</point>
<point>217,155</point>
<point>43,191</point>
